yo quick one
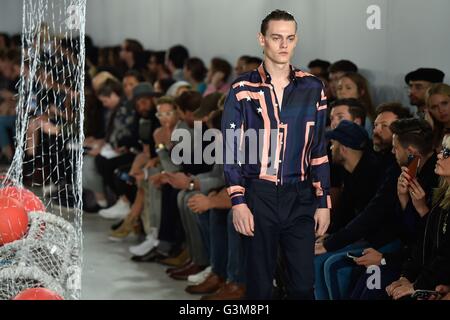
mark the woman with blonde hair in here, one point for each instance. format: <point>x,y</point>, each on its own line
<point>429,266</point>
<point>437,111</point>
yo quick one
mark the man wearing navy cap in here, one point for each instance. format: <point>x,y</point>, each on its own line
<point>418,82</point>
<point>350,148</point>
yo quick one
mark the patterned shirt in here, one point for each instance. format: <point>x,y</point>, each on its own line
<point>291,142</point>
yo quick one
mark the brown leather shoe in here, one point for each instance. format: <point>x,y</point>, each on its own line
<point>186,272</point>
<point>211,284</point>
<point>177,261</point>
<point>175,269</point>
<point>229,291</point>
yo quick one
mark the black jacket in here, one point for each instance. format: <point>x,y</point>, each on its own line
<point>429,265</point>
<point>358,188</point>
<point>376,223</point>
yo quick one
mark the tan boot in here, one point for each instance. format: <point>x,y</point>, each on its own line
<point>177,261</point>
<point>125,229</point>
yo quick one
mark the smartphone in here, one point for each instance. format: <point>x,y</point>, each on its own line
<point>425,294</point>
<point>125,177</point>
<point>413,163</point>
<point>353,255</point>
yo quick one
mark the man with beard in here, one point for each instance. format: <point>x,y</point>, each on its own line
<point>418,82</point>
<point>375,224</point>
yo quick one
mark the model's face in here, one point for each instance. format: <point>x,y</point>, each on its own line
<point>338,114</point>
<point>416,92</point>
<point>346,89</point>
<point>279,41</point>
<point>382,134</point>
<point>439,107</point>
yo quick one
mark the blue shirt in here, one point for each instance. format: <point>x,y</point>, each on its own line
<point>291,141</point>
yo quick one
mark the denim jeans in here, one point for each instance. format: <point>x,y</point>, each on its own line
<point>320,286</point>
<point>223,244</point>
<point>338,270</point>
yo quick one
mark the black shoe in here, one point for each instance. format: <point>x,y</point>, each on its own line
<point>94,209</point>
<point>152,256</point>
<point>116,225</point>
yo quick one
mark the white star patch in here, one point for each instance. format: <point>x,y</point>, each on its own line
<point>260,110</point>
<point>233,126</point>
<point>249,99</point>
<point>241,84</point>
<point>261,93</point>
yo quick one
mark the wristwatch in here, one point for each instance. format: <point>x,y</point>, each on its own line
<point>383,261</point>
<point>160,147</point>
<point>191,185</point>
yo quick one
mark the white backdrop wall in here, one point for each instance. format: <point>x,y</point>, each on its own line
<point>413,33</point>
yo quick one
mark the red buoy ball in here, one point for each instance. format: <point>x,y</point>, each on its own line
<point>29,200</point>
<point>13,220</point>
<point>37,294</point>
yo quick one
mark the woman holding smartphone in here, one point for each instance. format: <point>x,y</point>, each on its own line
<point>429,265</point>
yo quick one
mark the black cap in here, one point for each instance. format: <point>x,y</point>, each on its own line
<point>350,135</point>
<point>144,89</point>
<point>425,74</point>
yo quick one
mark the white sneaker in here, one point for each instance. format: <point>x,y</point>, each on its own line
<point>200,277</point>
<point>118,211</point>
<point>144,247</point>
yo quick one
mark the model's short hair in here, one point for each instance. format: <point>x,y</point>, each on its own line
<point>276,15</point>
<point>414,132</point>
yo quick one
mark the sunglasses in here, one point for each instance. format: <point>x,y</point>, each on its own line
<point>167,114</point>
<point>445,153</point>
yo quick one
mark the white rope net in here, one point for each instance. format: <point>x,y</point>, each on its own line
<point>48,157</point>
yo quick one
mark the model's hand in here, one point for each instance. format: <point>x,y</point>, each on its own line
<point>243,220</point>
<point>322,219</point>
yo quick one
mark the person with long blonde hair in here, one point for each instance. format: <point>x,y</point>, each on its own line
<point>429,266</point>
<point>437,111</point>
